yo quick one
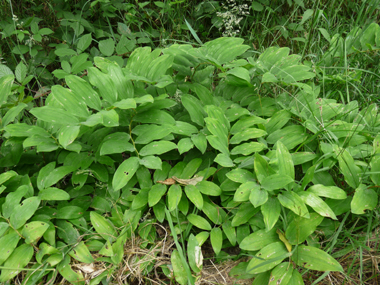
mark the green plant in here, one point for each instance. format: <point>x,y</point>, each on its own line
<point>184,132</point>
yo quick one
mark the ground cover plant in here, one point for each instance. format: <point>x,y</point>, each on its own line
<point>144,164</point>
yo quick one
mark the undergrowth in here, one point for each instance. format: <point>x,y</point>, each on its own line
<point>139,146</point>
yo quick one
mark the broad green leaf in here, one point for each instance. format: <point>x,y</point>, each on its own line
<point>65,231</point>
<point>202,237</point>
<point>216,128</point>
<point>258,197</point>
<point>159,66</point>
<point>183,128</point>
<point>21,71</point>
<point>67,135</point>
<point>83,89</point>
<point>296,278</point>
<point>302,157</point>
<point>84,42</point>
<point>247,134</point>
<point>291,74</point>
<point>281,274</point>
<point>203,94</point>
<point>285,161</point>
<point>248,148</point>
<point>271,212</point>
<point>185,145</point>
<point>224,160</point>
<point>244,213</point>
<point>68,273</point>
<point>104,83</point>
<point>64,52</point>
<point>125,104</point>
<point>209,188</point>
<point>243,192</point>
<point>11,114</point>
<point>216,238</point>
<point>54,115</point>
<point>12,200</point>
<point>245,123</point>
<point>191,168</point>
<point>144,99</point>
<point>262,168</point>
<point>103,227</point>
<point>151,162</point>
<point>257,6</point>
<point>174,196</point>
<point>5,87</point>
<point>317,204</point>
<point>118,249</point>
<point>99,171</point>
<point>224,49</point>
<point>292,201</point>
<point>194,254</point>
<point>56,175</point>
<point>309,176</point>
<point>275,251</point>
<point>70,101</point>
<point>364,199</point>
<point>259,240</point>
<point>156,193</point>
<point>125,45</point>
<point>213,212</point>
<point>179,270</point>
<point>300,228</point>
<point>269,77</point>
<point>218,144</point>
<point>107,47</point>
<point>194,196</point>
<point>349,169</point>
<point>81,253</point>
<point>43,144</point>
<point>3,228</point>
<point>199,222</point>
<point>157,148</point>
<point>116,143</point>
<point>276,181</point>
<point>53,194</point>
<point>315,259</point>
<point>141,199</point>
<point>290,136</point>
<point>151,133</point>
<point>230,232</point>
<point>194,107</point>
<point>33,231</point>
<point>154,116</point>
<point>200,142</point>
<point>240,175</point>
<point>24,212</point>
<point>241,73</point>
<point>144,177</point>
<point>328,191</point>
<point>5,176</point>
<point>263,278</point>
<point>7,244</point>
<point>277,121</point>
<point>235,113</point>
<point>375,169</point>
<point>125,172</point>
<point>19,259</point>
<point>69,213</point>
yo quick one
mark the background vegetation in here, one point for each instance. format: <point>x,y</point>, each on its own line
<point>282,161</point>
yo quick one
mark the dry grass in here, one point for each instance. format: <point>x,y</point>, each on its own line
<point>143,266</point>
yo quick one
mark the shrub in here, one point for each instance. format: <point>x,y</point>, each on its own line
<point>183,136</point>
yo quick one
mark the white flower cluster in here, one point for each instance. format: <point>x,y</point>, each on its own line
<point>232,16</point>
